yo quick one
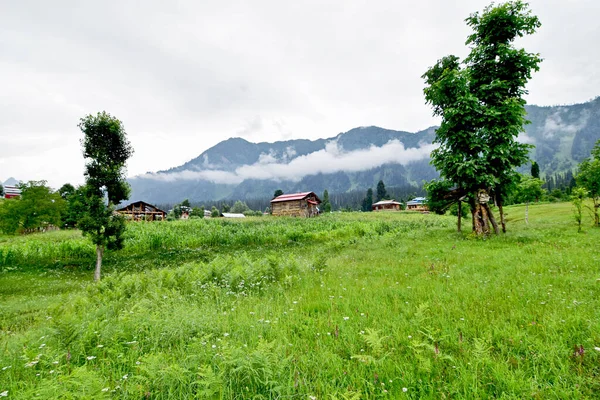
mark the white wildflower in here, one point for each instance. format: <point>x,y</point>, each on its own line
<point>4,394</point>
<point>90,357</point>
<point>404,390</point>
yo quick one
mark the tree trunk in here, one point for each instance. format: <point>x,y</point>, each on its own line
<point>492,219</point>
<point>596,217</point>
<point>527,213</point>
<point>502,221</point>
<point>459,215</point>
<point>99,253</point>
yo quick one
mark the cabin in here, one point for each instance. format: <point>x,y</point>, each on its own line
<point>303,204</point>
<point>142,211</point>
<point>417,204</point>
<point>386,205</point>
<point>11,192</point>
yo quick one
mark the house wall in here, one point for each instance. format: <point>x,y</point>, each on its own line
<point>294,208</point>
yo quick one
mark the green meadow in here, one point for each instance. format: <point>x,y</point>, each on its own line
<point>344,306</point>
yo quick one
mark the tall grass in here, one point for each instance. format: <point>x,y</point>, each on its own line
<point>347,306</point>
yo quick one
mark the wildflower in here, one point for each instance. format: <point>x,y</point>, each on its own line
<point>106,389</point>
<point>5,394</point>
<point>226,334</point>
<point>100,346</point>
<point>214,346</point>
<point>132,342</point>
<point>597,348</point>
<point>346,318</point>
<point>137,363</point>
<point>54,362</point>
<point>7,367</point>
<point>42,345</point>
<point>404,390</point>
<point>51,371</point>
<point>90,357</point>
<point>125,376</point>
<point>312,397</point>
<point>32,363</point>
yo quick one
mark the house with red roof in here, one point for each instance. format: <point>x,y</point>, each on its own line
<point>303,204</point>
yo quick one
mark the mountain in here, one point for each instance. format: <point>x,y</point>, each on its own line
<point>10,182</point>
<point>354,160</point>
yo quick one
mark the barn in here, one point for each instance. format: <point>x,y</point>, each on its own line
<point>141,210</point>
<point>385,205</point>
<point>303,204</point>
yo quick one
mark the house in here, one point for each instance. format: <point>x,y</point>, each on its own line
<point>141,210</point>
<point>384,205</point>
<point>296,205</point>
<point>417,204</point>
<point>11,192</point>
<point>207,214</point>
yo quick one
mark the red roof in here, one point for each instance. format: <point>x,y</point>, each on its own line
<point>295,196</point>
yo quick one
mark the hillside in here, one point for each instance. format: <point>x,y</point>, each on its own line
<point>354,160</point>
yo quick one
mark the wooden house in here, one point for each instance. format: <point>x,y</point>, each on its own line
<point>296,205</point>
<point>386,205</point>
<point>417,204</point>
<point>141,210</point>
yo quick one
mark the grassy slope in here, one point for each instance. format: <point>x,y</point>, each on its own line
<point>362,305</point>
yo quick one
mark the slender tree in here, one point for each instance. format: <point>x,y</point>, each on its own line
<point>482,108</point>
<point>368,201</point>
<point>530,189</point>
<point>381,192</point>
<point>588,177</point>
<point>1,190</point>
<point>106,151</point>
<point>535,170</point>
<point>326,205</point>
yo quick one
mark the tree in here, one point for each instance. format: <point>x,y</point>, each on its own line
<point>535,170</point>
<point>530,189</point>
<point>197,212</point>
<point>66,190</point>
<point>481,104</point>
<point>579,194</point>
<point>75,208</point>
<point>368,201</point>
<point>106,150</point>
<point>214,213</point>
<point>588,177</point>
<point>277,193</point>
<point>1,190</point>
<point>239,207</point>
<point>381,192</point>
<point>37,208</point>
<point>326,204</point>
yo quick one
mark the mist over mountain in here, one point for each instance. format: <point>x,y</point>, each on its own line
<point>354,160</point>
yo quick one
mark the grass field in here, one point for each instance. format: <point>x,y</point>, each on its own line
<point>344,306</point>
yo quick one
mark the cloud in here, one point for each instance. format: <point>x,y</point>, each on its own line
<point>331,159</point>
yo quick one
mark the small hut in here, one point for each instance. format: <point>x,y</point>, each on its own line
<point>296,205</point>
<point>417,204</point>
<point>141,210</point>
<point>386,205</point>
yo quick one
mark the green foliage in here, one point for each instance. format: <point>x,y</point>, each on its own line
<point>36,209</point>
<point>106,150</point>
<point>530,189</point>
<point>326,204</point>
<point>239,207</point>
<point>535,170</point>
<point>577,197</point>
<point>75,208</point>
<point>588,177</point>
<point>214,213</point>
<point>367,202</point>
<point>1,190</point>
<point>197,212</point>
<point>381,192</point>
<point>277,193</point>
<point>481,103</point>
<point>438,200</point>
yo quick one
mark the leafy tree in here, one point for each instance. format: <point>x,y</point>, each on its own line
<point>368,201</point>
<point>277,193</point>
<point>75,206</point>
<point>197,212</point>
<point>535,170</point>
<point>106,150</point>
<point>381,192</point>
<point>588,177</point>
<point>214,213</point>
<point>66,190</point>
<point>530,189</point>
<point>1,190</point>
<point>239,207</point>
<point>186,203</point>
<point>482,108</point>
<point>326,204</point>
<point>225,207</point>
<point>37,208</point>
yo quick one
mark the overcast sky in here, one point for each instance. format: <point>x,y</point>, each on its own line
<point>185,75</point>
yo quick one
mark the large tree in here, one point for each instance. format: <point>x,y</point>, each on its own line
<point>367,202</point>
<point>481,104</point>
<point>381,191</point>
<point>106,150</point>
<point>326,204</point>
<point>588,177</point>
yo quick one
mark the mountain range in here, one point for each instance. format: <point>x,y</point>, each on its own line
<point>354,160</point>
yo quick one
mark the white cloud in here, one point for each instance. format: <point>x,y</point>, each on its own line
<point>332,159</point>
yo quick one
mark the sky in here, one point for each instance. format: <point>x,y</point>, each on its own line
<point>185,75</point>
